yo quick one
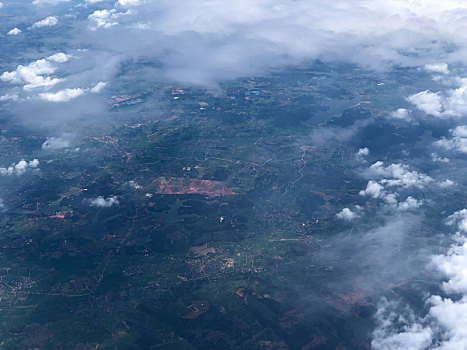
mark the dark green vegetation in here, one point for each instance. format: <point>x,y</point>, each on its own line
<point>199,269</point>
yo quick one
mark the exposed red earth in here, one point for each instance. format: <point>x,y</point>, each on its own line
<point>180,185</point>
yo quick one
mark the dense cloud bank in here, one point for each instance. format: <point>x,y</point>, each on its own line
<point>204,42</point>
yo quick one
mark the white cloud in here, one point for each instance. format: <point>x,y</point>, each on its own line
<point>443,328</point>
<point>19,168</point>
<point>59,57</point>
<point>66,95</point>
<point>387,180</point>
<point>1,5</point>
<point>409,204</point>
<point>446,183</point>
<point>347,215</point>
<point>451,314</point>
<point>451,317</point>
<point>104,202</point>
<point>451,103</point>
<point>428,102</point>
<point>453,266</point>
<point>103,18</point>
<point>441,68</point>
<point>53,143</point>
<point>98,87</point>
<point>398,175</point>
<point>363,152</point>
<point>373,189</point>
<point>62,95</point>
<point>14,31</point>
<point>459,219</point>
<point>458,141</point>
<point>398,328</point>
<point>36,74</point>
<point>212,40</point>
<point>46,22</point>
<point>460,131</point>
<point>239,37</point>
<point>401,114</point>
<point>106,18</point>
<point>39,74</point>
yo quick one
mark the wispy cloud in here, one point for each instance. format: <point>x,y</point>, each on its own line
<point>102,202</point>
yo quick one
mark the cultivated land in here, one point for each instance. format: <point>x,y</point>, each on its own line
<point>227,212</point>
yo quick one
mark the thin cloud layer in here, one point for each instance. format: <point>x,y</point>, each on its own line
<point>54,143</point>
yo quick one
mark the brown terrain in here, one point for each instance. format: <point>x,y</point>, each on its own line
<point>181,185</point>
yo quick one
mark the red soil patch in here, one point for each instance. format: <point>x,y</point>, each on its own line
<point>59,215</point>
<point>181,185</point>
